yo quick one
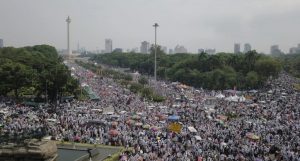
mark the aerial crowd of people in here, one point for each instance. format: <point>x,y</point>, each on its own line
<point>191,124</point>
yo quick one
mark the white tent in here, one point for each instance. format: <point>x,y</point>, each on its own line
<point>234,98</point>
<point>220,95</point>
<point>192,129</point>
<point>229,98</point>
<point>198,138</point>
<point>242,99</point>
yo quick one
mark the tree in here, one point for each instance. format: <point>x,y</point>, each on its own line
<point>17,76</point>
<point>252,79</point>
<point>32,69</point>
<point>143,80</point>
<point>267,67</point>
<point>135,87</point>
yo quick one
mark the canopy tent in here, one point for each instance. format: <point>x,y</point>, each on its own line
<point>138,124</point>
<point>253,91</point>
<point>146,126</point>
<point>123,112</point>
<point>173,118</point>
<point>92,95</point>
<point>108,111</point>
<point>234,98</point>
<point>51,120</point>
<point>242,99</point>
<point>220,95</point>
<point>252,136</point>
<point>192,129</point>
<point>198,138</point>
<point>96,110</point>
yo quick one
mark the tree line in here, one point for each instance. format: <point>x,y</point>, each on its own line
<point>36,71</point>
<point>219,71</point>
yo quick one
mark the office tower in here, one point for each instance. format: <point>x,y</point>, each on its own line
<point>295,50</point>
<point>200,51</point>
<point>247,47</point>
<point>180,49</point>
<point>164,49</point>
<point>237,48</point>
<point>145,46</point>
<point>275,50</point>
<point>108,45</point>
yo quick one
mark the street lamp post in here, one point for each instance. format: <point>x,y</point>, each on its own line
<point>155,50</point>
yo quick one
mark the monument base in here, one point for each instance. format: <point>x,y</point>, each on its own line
<point>32,150</point>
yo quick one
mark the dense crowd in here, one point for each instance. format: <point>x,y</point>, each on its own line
<point>264,125</point>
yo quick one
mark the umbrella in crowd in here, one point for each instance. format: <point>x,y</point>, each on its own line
<point>154,128</point>
<point>138,124</point>
<point>173,118</point>
<point>113,132</point>
<point>130,122</point>
<point>252,136</point>
<point>146,126</point>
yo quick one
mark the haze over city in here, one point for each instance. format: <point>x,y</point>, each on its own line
<point>192,23</point>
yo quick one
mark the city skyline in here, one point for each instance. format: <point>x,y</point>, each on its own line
<point>226,22</point>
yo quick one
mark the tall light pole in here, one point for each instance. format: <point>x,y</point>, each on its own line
<point>68,20</point>
<point>155,50</point>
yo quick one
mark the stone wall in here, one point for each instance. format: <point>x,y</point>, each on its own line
<point>32,150</point>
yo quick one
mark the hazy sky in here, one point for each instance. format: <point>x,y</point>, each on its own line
<point>192,23</point>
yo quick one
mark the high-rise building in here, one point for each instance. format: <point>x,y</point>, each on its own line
<point>275,50</point>
<point>180,49</point>
<point>145,47</point>
<point>295,50</point>
<point>1,43</point>
<point>200,51</point>
<point>164,49</point>
<point>247,47</point>
<point>108,45</point>
<point>237,48</point>
<point>210,51</point>
<point>170,51</point>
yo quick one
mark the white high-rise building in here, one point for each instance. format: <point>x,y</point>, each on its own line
<point>108,45</point>
<point>247,47</point>
<point>145,47</point>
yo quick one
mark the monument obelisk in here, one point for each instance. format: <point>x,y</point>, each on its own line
<point>68,20</point>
